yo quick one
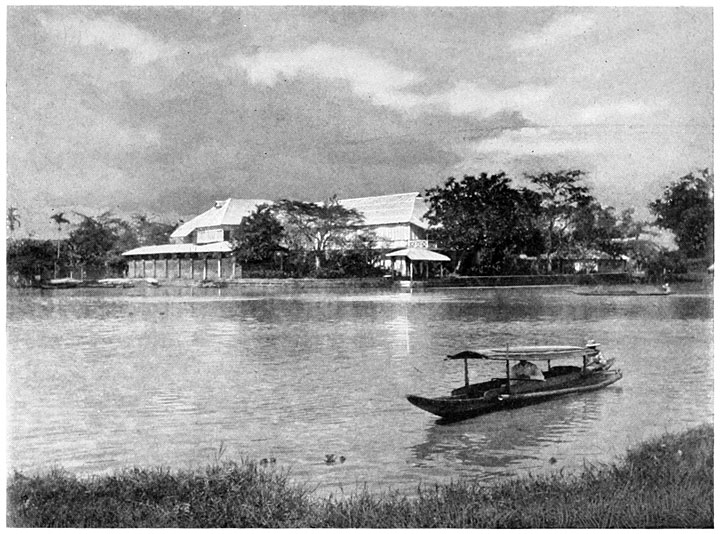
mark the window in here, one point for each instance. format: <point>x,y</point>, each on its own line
<point>209,235</point>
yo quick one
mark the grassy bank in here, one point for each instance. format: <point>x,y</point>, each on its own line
<point>667,482</point>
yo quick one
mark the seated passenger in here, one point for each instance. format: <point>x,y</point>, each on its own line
<point>524,370</point>
<point>595,362</point>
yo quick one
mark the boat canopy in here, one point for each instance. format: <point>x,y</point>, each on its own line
<point>530,353</point>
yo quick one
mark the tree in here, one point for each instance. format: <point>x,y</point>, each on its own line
<point>28,258</point>
<point>359,259</point>
<point>562,196</point>
<point>317,227</point>
<point>628,227</point>
<point>13,219</point>
<point>93,241</point>
<point>149,232</point>
<point>593,227</point>
<point>59,219</point>
<point>686,208</point>
<point>258,237</point>
<point>484,217</point>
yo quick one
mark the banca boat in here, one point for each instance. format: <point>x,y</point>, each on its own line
<point>665,290</point>
<point>71,283</point>
<point>509,392</point>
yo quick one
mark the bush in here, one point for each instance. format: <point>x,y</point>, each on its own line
<point>28,258</point>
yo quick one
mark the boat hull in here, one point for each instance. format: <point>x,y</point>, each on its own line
<point>622,293</point>
<point>460,407</point>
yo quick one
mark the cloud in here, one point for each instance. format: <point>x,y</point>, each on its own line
<point>369,77</point>
<point>615,112</point>
<point>468,98</point>
<point>111,33</point>
<point>383,83</point>
<point>540,142</point>
<point>559,31</point>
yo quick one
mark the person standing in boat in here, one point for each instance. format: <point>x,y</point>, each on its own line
<point>525,370</point>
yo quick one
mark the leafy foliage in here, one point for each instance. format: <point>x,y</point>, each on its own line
<point>148,232</point>
<point>484,217</point>
<point>627,226</point>
<point>28,258</point>
<point>562,196</point>
<point>91,242</point>
<point>12,219</point>
<point>358,259</point>
<point>316,227</point>
<point>594,228</point>
<point>59,219</point>
<point>686,208</point>
<point>259,236</point>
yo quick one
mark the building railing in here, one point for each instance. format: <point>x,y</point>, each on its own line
<point>405,243</point>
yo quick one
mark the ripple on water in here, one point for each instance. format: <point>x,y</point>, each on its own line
<point>103,382</point>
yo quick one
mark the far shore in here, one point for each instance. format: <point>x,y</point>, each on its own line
<point>537,280</point>
<point>699,281</point>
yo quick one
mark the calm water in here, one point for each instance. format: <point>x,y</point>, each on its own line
<point>98,381</point>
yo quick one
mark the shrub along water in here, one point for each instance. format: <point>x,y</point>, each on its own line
<point>667,482</point>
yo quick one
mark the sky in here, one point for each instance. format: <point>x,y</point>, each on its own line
<point>162,111</point>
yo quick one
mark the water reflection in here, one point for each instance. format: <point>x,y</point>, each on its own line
<point>162,377</point>
<point>504,439</point>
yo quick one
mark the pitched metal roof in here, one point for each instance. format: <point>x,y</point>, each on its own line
<point>224,212</point>
<point>417,254</point>
<point>180,248</point>
<point>390,209</point>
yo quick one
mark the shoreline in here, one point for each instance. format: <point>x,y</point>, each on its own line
<point>500,281</point>
<point>664,482</point>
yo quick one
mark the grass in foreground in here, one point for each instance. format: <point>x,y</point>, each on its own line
<point>667,482</point>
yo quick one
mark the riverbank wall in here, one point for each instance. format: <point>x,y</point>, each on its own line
<point>387,282</point>
<point>529,280</point>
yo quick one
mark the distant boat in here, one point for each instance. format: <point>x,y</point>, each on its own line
<point>624,292</point>
<point>69,283</point>
<point>210,284</point>
<point>504,393</point>
<point>61,283</point>
<point>113,282</point>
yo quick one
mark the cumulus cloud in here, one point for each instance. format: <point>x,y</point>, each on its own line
<point>469,98</point>
<point>384,83</point>
<point>110,33</point>
<point>559,31</point>
<point>368,76</point>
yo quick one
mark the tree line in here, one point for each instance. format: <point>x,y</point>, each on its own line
<point>93,247</point>
<point>485,223</point>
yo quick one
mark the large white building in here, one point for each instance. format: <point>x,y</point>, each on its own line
<point>201,248</point>
<point>396,220</point>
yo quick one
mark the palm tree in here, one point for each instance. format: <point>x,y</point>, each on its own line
<point>59,220</point>
<point>13,219</point>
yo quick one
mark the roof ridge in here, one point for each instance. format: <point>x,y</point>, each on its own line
<point>415,193</point>
<point>225,208</point>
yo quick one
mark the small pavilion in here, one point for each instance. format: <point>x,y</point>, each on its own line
<point>421,257</point>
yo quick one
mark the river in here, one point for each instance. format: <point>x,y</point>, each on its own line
<point>100,380</point>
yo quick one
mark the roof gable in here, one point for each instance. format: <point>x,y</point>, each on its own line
<point>401,208</point>
<point>223,213</point>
